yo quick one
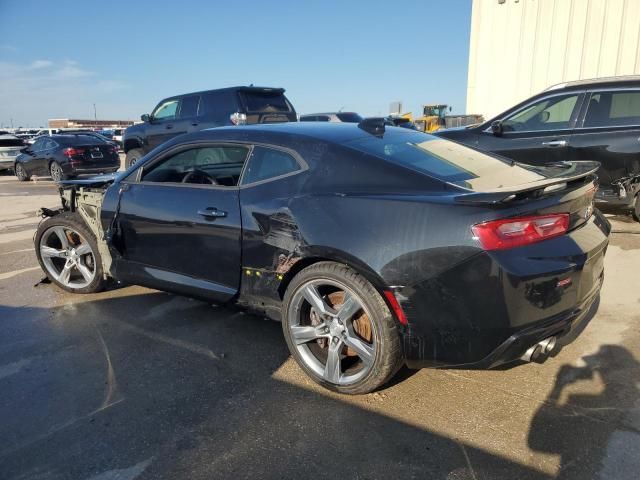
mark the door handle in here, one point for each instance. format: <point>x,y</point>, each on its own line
<point>169,127</point>
<point>556,143</point>
<point>195,124</point>
<point>212,212</point>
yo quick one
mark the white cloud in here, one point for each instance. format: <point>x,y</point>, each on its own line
<point>36,64</point>
<point>35,91</point>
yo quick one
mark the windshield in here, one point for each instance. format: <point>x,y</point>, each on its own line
<point>447,161</point>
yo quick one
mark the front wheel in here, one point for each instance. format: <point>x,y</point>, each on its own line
<point>339,329</point>
<point>21,173</point>
<point>68,253</point>
<point>133,156</point>
<point>636,209</point>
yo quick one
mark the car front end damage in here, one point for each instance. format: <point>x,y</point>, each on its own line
<point>85,199</point>
<point>621,192</point>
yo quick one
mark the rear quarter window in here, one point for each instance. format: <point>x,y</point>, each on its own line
<point>257,101</point>
<point>265,163</point>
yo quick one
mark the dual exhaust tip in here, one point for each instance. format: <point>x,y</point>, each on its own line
<point>540,351</point>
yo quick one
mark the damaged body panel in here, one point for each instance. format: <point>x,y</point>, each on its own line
<point>387,206</point>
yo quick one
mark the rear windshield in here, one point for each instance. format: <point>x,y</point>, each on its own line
<point>257,101</point>
<point>445,160</point>
<point>11,142</point>
<point>349,117</point>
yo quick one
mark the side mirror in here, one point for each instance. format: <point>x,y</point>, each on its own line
<point>496,128</point>
<point>26,150</point>
<point>145,118</point>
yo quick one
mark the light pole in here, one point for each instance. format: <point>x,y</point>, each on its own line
<point>95,115</point>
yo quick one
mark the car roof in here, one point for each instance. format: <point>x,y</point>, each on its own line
<point>229,89</point>
<point>332,132</point>
<point>322,113</point>
<point>620,80</point>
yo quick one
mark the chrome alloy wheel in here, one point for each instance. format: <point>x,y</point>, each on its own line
<point>56,172</point>
<point>67,257</point>
<point>332,331</point>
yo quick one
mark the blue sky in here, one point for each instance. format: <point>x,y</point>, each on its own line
<point>126,56</point>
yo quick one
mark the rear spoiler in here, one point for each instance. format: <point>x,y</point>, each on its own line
<point>576,172</point>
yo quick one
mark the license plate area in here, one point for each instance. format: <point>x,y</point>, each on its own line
<point>96,154</point>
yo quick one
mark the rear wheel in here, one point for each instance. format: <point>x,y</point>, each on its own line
<point>339,329</point>
<point>68,253</point>
<point>133,156</point>
<point>21,173</point>
<point>636,209</point>
<point>56,172</point>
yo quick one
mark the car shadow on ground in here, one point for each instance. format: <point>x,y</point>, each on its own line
<point>150,385</point>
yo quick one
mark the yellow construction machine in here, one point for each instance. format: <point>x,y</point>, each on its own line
<point>432,117</point>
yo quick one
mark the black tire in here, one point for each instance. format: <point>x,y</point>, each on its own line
<point>133,156</point>
<point>55,170</point>
<point>388,350</point>
<point>636,209</point>
<point>74,222</point>
<point>21,173</point>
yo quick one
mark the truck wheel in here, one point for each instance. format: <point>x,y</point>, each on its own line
<point>339,329</point>
<point>636,209</point>
<point>68,253</point>
<point>133,156</point>
<point>21,173</point>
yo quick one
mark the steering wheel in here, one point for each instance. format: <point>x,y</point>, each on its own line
<point>199,176</point>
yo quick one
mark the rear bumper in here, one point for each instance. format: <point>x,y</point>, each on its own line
<point>82,170</point>
<point>489,308</point>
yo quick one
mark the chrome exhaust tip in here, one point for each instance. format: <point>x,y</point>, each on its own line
<point>539,351</point>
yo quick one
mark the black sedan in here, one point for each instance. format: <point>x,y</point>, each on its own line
<point>376,246</point>
<point>65,156</point>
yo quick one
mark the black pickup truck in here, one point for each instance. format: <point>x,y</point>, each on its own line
<point>191,112</point>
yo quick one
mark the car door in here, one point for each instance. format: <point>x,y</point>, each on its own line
<point>181,236</point>
<point>35,164</point>
<point>188,115</point>
<point>538,132</point>
<point>609,132</point>
<point>164,123</point>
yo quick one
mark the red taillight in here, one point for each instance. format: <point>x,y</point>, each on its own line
<point>70,152</point>
<point>516,232</point>
<point>395,306</point>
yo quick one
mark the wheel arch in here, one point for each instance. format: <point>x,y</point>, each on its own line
<point>331,255</point>
<point>131,143</point>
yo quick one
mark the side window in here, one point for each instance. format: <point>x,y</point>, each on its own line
<point>189,107</point>
<point>613,109</point>
<point>38,145</point>
<point>553,113</point>
<point>322,118</point>
<point>204,165</point>
<point>218,105</point>
<point>166,111</point>
<point>308,118</point>
<point>267,163</point>
<point>48,144</point>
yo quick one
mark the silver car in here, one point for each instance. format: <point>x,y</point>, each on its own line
<point>10,147</point>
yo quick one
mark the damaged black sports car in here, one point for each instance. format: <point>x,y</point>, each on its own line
<point>376,246</point>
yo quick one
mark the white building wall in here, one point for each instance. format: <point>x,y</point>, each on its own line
<point>520,47</point>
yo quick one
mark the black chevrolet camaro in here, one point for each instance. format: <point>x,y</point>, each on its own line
<point>376,246</point>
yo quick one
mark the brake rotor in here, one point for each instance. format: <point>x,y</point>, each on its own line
<point>361,322</point>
